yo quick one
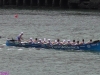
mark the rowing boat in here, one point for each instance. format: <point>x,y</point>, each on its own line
<point>94,46</point>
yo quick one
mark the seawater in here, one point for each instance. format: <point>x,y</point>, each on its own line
<point>51,24</point>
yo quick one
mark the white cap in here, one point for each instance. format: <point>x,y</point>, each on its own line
<point>44,39</point>
<point>31,38</point>
<point>64,40</point>
<point>21,32</point>
<point>55,40</point>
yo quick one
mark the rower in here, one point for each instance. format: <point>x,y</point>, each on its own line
<point>36,40</point>
<point>77,43</point>
<point>19,38</point>
<point>64,42</point>
<point>55,42</point>
<point>40,41</point>
<point>49,42</point>
<point>68,42</point>
<point>31,40</point>
<point>90,41</point>
<point>73,43</point>
<point>44,41</point>
<point>58,42</point>
<point>82,41</point>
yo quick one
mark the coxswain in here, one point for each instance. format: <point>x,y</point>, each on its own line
<point>19,38</point>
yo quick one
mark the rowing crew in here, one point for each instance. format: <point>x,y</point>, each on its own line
<point>64,42</point>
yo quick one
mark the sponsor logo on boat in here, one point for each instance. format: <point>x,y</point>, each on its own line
<point>94,44</point>
<point>66,47</point>
<point>88,46</point>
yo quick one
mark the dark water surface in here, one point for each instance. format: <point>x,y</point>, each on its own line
<point>52,25</point>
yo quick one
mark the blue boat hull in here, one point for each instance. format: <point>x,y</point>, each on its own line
<point>95,46</point>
